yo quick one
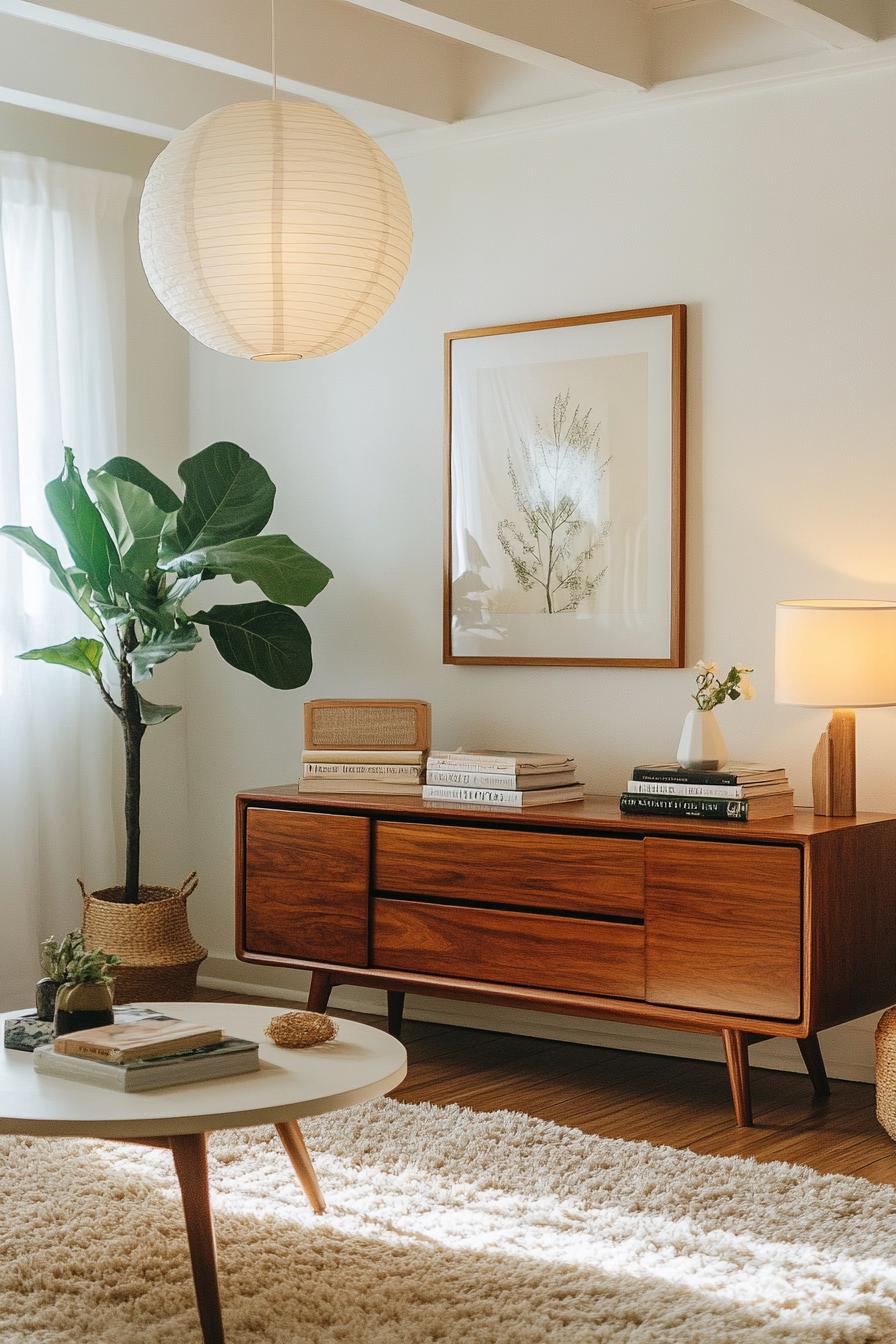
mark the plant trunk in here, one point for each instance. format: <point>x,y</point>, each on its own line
<point>133,736</point>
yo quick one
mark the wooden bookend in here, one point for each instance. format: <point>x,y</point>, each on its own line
<point>834,767</point>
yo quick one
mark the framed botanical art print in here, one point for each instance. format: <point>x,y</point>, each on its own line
<point>564,515</point>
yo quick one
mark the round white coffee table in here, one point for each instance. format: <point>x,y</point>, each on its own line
<point>359,1064</point>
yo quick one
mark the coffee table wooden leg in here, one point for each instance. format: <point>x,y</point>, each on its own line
<point>294,1143</point>
<point>191,1165</point>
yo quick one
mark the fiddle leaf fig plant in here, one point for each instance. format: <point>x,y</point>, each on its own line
<point>137,552</point>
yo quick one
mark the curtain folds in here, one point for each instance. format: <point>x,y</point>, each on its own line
<point>62,352</point>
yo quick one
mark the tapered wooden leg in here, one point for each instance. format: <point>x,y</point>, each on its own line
<point>191,1165</point>
<point>814,1062</point>
<point>739,1075</point>
<point>294,1143</point>
<point>319,993</point>
<point>395,999</point>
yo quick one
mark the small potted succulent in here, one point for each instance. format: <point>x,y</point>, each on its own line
<point>85,998</point>
<point>55,959</point>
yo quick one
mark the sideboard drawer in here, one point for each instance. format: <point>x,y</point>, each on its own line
<point>307,885</point>
<point>509,946</point>
<point>589,873</point>
<point>724,927</point>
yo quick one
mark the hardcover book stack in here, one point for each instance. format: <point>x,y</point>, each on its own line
<point>741,792</point>
<point>357,771</point>
<point>501,778</point>
<point>158,1051</point>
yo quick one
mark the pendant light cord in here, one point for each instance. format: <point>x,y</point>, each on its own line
<point>273,51</point>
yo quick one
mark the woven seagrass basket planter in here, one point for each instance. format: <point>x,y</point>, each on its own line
<point>159,955</point>
<point>885,1071</point>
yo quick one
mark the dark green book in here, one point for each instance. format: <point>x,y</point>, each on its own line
<point>709,809</point>
<point>736,772</point>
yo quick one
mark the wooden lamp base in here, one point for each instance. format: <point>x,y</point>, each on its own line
<point>834,767</point>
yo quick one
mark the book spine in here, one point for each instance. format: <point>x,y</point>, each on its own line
<point>345,770</point>
<point>642,773</point>
<point>499,765</point>
<point>78,1050</point>
<point>446,793</point>
<point>473,779</point>
<point>670,790</point>
<point>717,809</point>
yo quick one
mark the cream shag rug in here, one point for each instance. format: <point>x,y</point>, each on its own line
<point>445,1225</point>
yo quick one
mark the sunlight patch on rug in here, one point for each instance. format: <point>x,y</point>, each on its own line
<point>446,1225</point>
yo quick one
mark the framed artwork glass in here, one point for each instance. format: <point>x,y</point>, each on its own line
<point>564,510</point>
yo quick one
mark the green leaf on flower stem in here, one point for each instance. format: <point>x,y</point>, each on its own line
<point>151,714</point>
<point>81,523</point>
<point>269,641</point>
<point>227,495</point>
<point>128,469</point>
<point>134,517</point>
<point>82,655</point>
<point>158,648</point>
<point>282,570</point>
<point>72,581</point>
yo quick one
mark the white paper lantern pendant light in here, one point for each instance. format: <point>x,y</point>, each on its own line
<point>275,230</point>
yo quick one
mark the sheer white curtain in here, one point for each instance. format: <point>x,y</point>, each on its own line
<point>62,301</point>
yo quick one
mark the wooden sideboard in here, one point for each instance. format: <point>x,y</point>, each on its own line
<point>749,930</point>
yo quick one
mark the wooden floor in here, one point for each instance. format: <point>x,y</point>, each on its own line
<point>625,1095</point>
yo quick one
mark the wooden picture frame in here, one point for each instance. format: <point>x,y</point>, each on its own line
<point>498,396</point>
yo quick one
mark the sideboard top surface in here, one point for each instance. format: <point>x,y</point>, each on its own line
<point>594,813</point>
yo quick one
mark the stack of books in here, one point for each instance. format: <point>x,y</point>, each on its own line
<point>741,792</point>
<point>158,1051</point>
<point>501,778</point>
<point>348,770</point>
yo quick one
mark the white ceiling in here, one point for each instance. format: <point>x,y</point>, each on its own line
<point>422,73</point>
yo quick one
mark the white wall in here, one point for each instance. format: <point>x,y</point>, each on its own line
<point>773,216</point>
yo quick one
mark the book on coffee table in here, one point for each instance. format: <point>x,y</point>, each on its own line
<point>122,1042</point>
<point>222,1059</point>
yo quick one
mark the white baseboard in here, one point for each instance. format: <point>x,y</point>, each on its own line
<point>848,1050</point>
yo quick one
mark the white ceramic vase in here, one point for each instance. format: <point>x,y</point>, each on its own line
<point>701,746</point>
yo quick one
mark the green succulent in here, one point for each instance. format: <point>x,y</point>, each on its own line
<point>56,956</point>
<point>91,968</point>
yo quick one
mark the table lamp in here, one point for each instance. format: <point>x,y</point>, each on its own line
<point>839,653</point>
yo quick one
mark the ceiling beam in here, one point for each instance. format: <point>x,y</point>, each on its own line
<point>843,25</point>
<point>605,42</point>
<point>322,49</point>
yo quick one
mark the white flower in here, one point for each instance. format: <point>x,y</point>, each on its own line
<point>706,668</point>
<point>746,688</point>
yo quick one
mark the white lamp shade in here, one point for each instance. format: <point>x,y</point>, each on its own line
<point>836,653</point>
<point>275,230</point>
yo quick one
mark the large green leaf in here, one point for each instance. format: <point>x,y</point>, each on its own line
<point>82,655</point>
<point>71,581</point>
<point>135,519</point>
<point>282,570</point>
<point>151,714</point>
<point>227,495</point>
<point>269,641</point>
<point>81,523</point>
<point>140,598</point>
<point>127,469</point>
<point>158,648</point>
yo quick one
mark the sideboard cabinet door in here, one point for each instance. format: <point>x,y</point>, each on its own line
<point>307,885</point>
<point>723,925</point>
